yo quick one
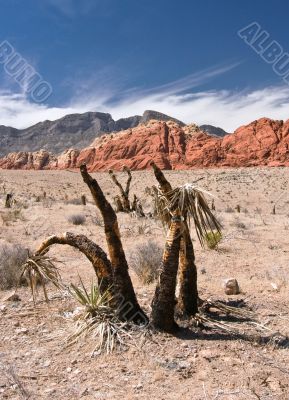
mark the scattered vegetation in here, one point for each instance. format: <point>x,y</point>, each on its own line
<point>76,219</point>
<point>76,201</point>
<point>10,216</point>
<point>145,259</point>
<point>229,210</point>
<point>12,256</point>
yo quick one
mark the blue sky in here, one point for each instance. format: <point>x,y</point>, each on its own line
<point>182,57</point>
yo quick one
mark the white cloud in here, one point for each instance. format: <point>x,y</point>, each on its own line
<point>223,108</point>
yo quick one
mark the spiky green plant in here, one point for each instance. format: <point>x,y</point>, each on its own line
<point>40,269</point>
<point>213,239</point>
<point>193,206</point>
<point>98,319</point>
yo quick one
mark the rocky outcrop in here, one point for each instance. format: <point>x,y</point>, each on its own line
<point>27,160</point>
<point>72,131</point>
<point>213,130</point>
<point>172,146</point>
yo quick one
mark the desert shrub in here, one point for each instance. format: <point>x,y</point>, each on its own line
<point>12,257</point>
<point>12,216</point>
<point>145,259</point>
<point>76,201</point>
<point>213,239</point>
<point>76,219</point>
<point>238,224</point>
<point>229,210</point>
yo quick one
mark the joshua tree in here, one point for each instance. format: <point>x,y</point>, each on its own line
<point>189,203</point>
<point>122,202</point>
<point>112,274</point>
<point>175,207</point>
<point>124,193</point>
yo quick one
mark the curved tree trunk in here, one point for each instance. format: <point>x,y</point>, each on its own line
<point>128,303</point>
<point>164,302</point>
<point>91,250</point>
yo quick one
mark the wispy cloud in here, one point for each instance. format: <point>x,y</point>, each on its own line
<point>180,99</point>
<point>72,8</point>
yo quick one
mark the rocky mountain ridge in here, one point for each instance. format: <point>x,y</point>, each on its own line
<point>171,145</point>
<point>72,131</point>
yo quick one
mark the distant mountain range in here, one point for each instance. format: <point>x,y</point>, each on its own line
<point>76,131</point>
<point>213,130</point>
<point>72,131</point>
<point>264,142</point>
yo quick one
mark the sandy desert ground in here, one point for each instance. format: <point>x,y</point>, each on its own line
<point>195,364</point>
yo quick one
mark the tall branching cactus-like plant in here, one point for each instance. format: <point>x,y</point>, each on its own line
<point>124,193</point>
<point>190,203</point>
<point>121,280</point>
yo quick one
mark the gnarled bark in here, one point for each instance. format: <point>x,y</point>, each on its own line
<point>91,250</point>
<point>163,304</point>
<point>188,294</point>
<point>122,282</point>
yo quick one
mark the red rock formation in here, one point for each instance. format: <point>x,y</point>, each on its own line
<point>26,160</point>
<point>171,146</point>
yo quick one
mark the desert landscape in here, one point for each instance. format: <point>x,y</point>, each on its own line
<point>196,362</point>
<point>144,203</point>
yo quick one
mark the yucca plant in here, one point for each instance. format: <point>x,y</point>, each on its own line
<point>213,239</point>
<point>192,205</point>
<point>40,269</point>
<point>98,319</point>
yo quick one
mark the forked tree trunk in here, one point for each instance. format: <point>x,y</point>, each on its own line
<point>188,293</point>
<point>91,250</point>
<point>130,308</point>
<point>163,304</point>
<point>124,193</point>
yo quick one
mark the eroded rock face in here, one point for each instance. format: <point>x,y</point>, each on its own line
<point>172,146</point>
<point>72,131</point>
<point>26,160</point>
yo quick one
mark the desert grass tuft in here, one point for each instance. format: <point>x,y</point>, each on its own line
<point>41,269</point>
<point>98,320</point>
<point>145,259</point>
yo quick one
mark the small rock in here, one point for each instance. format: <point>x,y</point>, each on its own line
<point>50,391</point>
<point>11,297</point>
<point>21,331</point>
<point>231,286</point>
<point>68,369</point>
<point>138,386</point>
<point>184,365</point>
<point>76,371</point>
<point>46,364</point>
<point>84,392</point>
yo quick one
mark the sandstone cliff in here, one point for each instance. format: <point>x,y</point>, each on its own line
<point>172,146</point>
